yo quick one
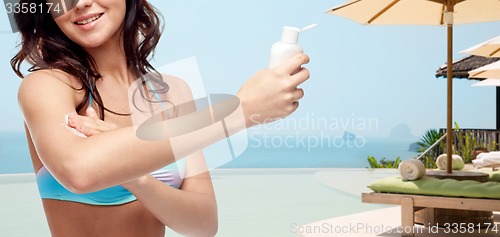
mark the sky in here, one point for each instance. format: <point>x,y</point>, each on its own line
<point>359,74</point>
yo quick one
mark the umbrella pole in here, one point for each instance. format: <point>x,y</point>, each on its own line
<point>449,120</point>
<point>498,109</point>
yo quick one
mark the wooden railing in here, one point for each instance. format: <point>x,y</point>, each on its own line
<point>486,138</point>
<point>465,143</point>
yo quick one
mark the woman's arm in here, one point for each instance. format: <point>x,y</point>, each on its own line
<point>107,159</point>
<point>190,211</point>
<point>82,164</point>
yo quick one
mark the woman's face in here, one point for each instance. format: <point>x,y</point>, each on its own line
<point>91,23</point>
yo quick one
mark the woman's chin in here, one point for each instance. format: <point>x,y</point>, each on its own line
<point>97,40</point>
<point>91,44</point>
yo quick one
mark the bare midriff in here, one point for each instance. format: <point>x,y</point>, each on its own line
<point>83,220</point>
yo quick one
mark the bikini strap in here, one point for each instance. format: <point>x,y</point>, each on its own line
<point>90,99</point>
<point>90,90</point>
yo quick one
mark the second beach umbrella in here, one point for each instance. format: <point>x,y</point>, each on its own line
<point>489,49</point>
<point>489,71</point>
<point>488,82</point>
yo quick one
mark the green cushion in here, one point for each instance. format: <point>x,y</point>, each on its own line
<point>438,187</point>
<point>495,176</point>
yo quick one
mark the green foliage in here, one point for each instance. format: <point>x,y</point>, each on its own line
<point>428,139</point>
<point>465,144</point>
<point>383,162</point>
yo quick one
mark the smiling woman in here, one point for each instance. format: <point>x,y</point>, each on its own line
<point>94,27</point>
<point>110,182</point>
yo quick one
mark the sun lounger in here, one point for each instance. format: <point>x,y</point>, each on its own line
<point>440,194</point>
<point>410,203</point>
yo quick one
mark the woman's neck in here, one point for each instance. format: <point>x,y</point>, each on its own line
<point>111,60</point>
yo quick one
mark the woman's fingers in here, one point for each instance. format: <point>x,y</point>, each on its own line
<point>297,94</point>
<point>86,131</point>
<point>90,112</point>
<point>90,124</point>
<point>300,77</point>
<point>295,106</point>
<point>273,93</point>
<point>93,124</point>
<point>293,64</point>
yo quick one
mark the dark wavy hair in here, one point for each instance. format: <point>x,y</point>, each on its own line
<point>45,46</point>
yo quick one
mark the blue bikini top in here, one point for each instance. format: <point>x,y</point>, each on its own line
<point>50,188</point>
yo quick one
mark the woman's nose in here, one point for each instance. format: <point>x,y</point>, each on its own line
<point>80,4</point>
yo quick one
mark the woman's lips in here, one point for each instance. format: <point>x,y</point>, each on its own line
<point>88,19</point>
<point>88,22</point>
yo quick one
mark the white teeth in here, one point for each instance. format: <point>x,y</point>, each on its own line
<point>88,20</point>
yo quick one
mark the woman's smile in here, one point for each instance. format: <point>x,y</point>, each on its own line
<point>91,24</point>
<point>89,21</point>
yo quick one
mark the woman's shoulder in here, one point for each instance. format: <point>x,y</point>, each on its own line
<point>43,82</point>
<point>178,88</point>
<point>176,82</point>
<point>180,94</point>
<point>51,76</point>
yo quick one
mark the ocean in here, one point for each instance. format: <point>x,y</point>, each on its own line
<point>14,154</point>
<point>276,151</point>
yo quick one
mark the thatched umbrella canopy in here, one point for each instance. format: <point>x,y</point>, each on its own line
<point>462,67</point>
<point>461,70</point>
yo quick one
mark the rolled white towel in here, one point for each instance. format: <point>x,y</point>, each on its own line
<point>457,163</point>
<point>411,169</point>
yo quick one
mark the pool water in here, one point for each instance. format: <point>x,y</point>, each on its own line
<point>251,202</point>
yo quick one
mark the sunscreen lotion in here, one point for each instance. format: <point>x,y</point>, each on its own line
<point>288,46</point>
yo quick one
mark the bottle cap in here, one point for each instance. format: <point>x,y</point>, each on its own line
<point>290,35</point>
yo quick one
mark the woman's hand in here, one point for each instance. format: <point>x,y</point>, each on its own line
<point>90,124</point>
<point>273,94</point>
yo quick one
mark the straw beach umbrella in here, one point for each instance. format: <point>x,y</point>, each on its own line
<point>461,69</point>
<point>489,49</point>
<point>463,66</point>
<point>424,12</point>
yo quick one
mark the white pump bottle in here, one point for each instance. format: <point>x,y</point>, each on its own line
<point>288,46</point>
